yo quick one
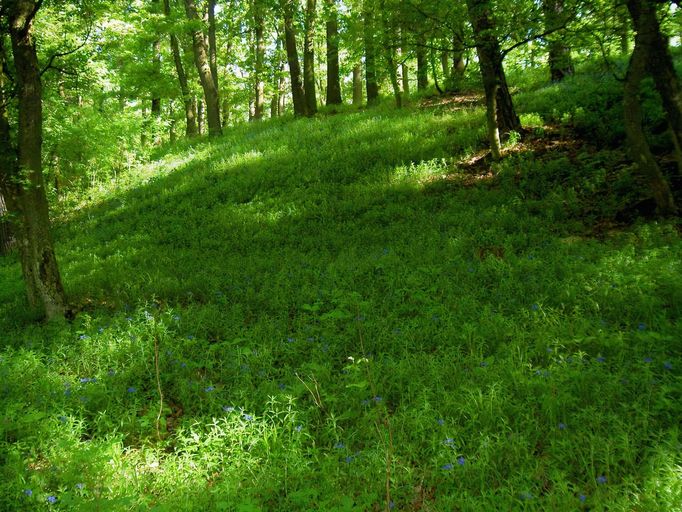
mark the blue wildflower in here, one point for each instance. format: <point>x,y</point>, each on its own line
<point>131,389</point>
<point>550,350</point>
<point>582,498</point>
<point>299,428</point>
<point>80,486</point>
<point>183,365</point>
<point>209,389</point>
<point>247,417</point>
<point>52,499</point>
<point>562,426</point>
<point>447,467</point>
<point>449,442</point>
<point>100,330</point>
<point>83,337</point>
<point>111,373</point>
<point>460,460</point>
<point>339,445</point>
<point>535,307</point>
<point>667,365</point>
<point>377,399</point>
<point>176,318</point>
<point>526,496</point>
<point>291,340</point>
<point>190,337</point>
<point>129,318</point>
<point>28,492</point>
<point>600,359</point>
<point>281,386</point>
<point>641,326</point>
<point>484,364</point>
<point>348,459</point>
<point>440,421</point>
<point>63,419</point>
<point>601,479</point>
<point>228,408</point>
<point>648,359</point>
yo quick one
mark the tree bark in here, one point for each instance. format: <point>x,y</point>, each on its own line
<point>357,85</point>
<point>212,44</point>
<point>297,93</point>
<point>492,71</point>
<point>560,62</point>
<point>187,97</point>
<point>200,116</point>
<point>389,52</point>
<point>208,80</point>
<point>333,75</point>
<point>156,66</point>
<point>659,64</point>
<point>309,58</point>
<point>422,65</point>
<point>21,177</point>
<point>259,45</point>
<point>638,145</point>
<point>371,83</point>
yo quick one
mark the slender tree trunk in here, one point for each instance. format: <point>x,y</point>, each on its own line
<point>492,70</point>
<point>404,51</point>
<point>212,45</point>
<point>297,93</point>
<point>638,145</point>
<point>369,30</point>
<point>388,44</point>
<point>156,65</point>
<point>333,75</point>
<point>434,70</point>
<point>560,62</point>
<point>208,80</point>
<point>259,45</point>
<point>659,64</point>
<point>200,116</point>
<point>357,85</point>
<point>21,179</point>
<point>309,58</point>
<point>187,97</point>
<point>422,65</point>
<point>458,64</point>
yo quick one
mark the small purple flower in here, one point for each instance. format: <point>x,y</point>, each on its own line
<point>183,365</point>
<point>291,340</point>
<point>209,389</point>
<point>247,417</point>
<point>339,446</point>
<point>80,486</point>
<point>601,479</point>
<point>562,426</point>
<point>460,460</point>
<point>299,428</point>
<point>100,330</point>
<point>132,389</point>
<point>667,365</point>
<point>600,359</point>
<point>228,408</point>
<point>129,318</point>
<point>447,467</point>
<point>440,421</point>
<point>524,496</point>
<point>377,399</point>
<point>83,337</point>
<point>176,318</point>
<point>641,326</point>
<point>535,307</point>
<point>449,442</point>
<point>28,492</point>
<point>190,337</point>
<point>648,359</point>
<point>52,499</point>
<point>484,364</point>
<point>282,386</point>
<point>582,498</point>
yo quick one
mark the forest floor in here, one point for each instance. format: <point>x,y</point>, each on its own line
<point>353,312</point>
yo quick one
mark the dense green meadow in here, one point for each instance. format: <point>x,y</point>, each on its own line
<point>346,313</point>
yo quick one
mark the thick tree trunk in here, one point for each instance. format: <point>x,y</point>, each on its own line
<point>208,80</point>
<point>187,97</point>
<point>259,46</point>
<point>297,93</point>
<point>333,78</point>
<point>369,30</point>
<point>309,58</point>
<point>638,145</point>
<point>492,70</point>
<point>422,65</point>
<point>357,85</point>
<point>560,62</point>
<point>659,64</point>
<point>25,197</point>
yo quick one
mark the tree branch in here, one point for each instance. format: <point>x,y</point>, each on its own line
<point>64,54</point>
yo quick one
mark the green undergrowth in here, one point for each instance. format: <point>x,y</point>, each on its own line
<point>330,310</point>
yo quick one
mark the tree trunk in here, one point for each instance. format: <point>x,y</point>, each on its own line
<point>370,54</point>
<point>156,66</point>
<point>357,85</point>
<point>388,44</point>
<point>492,70</point>
<point>259,45</point>
<point>333,78</point>
<point>22,182</point>
<point>212,45</point>
<point>458,64</point>
<point>297,93</point>
<point>422,65</point>
<point>638,145</point>
<point>309,58</point>
<point>200,116</point>
<point>659,64</point>
<point>208,80</point>
<point>187,97</point>
<point>560,62</point>
<point>404,56</point>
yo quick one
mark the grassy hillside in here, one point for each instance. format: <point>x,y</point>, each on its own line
<point>351,313</point>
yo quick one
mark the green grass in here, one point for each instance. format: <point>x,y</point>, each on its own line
<point>329,310</point>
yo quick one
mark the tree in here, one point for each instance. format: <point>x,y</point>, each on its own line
<point>560,63</point>
<point>21,178</point>
<point>298,96</point>
<point>332,33</point>
<point>369,35</point>
<point>202,62</point>
<point>309,58</point>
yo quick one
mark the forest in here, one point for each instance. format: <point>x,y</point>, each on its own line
<point>340,255</point>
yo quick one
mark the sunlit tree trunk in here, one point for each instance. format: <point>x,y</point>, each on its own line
<point>560,62</point>
<point>369,30</point>
<point>212,44</point>
<point>259,46</point>
<point>203,65</point>
<point>357,85</point>
<point>333,78</point>
<point>297,93</point>
<point>309,58</point>
<point>21,177</point>
<point>637,143</point>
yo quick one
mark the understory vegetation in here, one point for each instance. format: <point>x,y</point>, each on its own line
<point>358,311</point>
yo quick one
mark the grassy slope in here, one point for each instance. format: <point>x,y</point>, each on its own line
<point>514,363</point>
